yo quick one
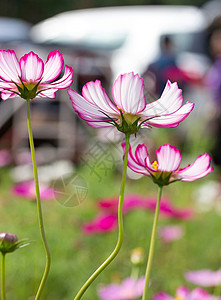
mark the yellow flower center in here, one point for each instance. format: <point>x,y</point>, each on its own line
<point>155,166</point>
<point>178,298</point>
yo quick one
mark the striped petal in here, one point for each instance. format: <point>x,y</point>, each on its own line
<point>128,93</point>
<point>94,93</point>
<point>200,168</point>
<point>9,66</point>
<point>171,120</point>
<point>170,101</point>
<point>53,66</point>
<point>168,158</point>
<point>32,67</point>
<point>64,82</point>
<point>134,164</point>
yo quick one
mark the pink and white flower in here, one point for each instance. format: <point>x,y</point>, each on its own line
<point>129,111</point>
<point>129,289</point>
<point>30,77</point>
<point>166,169</point>
<point>204,278</point>
<point>184,293</point>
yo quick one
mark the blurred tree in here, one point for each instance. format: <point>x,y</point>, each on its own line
<point>37,10</point>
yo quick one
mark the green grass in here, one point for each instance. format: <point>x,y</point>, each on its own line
<point>75,256</point>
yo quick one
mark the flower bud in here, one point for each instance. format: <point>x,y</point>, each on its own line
<point>8,242</point>
<point>137,256</point>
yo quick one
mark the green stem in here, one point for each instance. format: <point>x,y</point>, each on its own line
<point>152,245</point>
<point>3,277</point>
<point>120,228</point>
<point>40,216</point>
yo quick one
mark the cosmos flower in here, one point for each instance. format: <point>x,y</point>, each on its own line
<point>106,220</point>
<point>30,77</point>
<point>166,169</point>
<point>129,111</point>
<point>27,190</point>
<point>184,293</point>
<point>129,289</point>
<point>205,278</point>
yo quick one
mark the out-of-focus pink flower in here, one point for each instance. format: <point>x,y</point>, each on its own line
<point>132,202</point>
<point>171,233</point>
<point>106,221</point>
<point>129,289</point>
<point>129,111</point>
<point>166,168</point>
<point>184,293</point>
<point>101,223</point>
<point>27,190</point>
<point>204,278</point>
<point>30,77</point>
<point>5,158</point>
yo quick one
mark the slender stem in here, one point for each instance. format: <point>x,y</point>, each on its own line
<point>3,293</point>
<point>152,245</point>
<point>40,216</point>
<point>120,228</point>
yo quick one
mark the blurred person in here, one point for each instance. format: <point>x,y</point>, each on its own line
<point>213,82</point>
<point>164,67</point>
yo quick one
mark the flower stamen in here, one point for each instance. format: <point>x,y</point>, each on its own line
<point>155,166</point>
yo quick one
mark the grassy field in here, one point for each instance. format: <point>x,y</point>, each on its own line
<point>75,255</point>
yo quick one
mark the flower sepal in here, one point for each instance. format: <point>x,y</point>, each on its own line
<point>128,125</point>
<point>9,242</point>
<point>28,92</point>
<point>162,178</point>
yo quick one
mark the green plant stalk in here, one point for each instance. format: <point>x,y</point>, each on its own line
<point>39,209</point>
<point>120,228</point>
<point>152,245</point>
<point>3,293</point>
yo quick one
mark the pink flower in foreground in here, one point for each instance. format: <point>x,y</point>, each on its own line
<point>129,289</point>
<point>183,293</point>
<point>129,110</point>
<point>27,190</point>
<point>101,223</point>
<point>204,278</point>
<point>166,169</point>
<point>30,77</point>
<point>171,233</point>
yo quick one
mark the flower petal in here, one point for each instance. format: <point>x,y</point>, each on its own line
<point>5,95</point>
<point>206,278</point>
<point>134,164</point>
<point>171,120</point>
<point>162,296</point>
<point>128,93</point>
<point>95,94</point>
<point>53,66</point>
<point>64,82</point>
<point>200,168</point>
<point>142,156</point>
<point>9,66</point>
<point>32,67</point>
<point>169,158</point>
<point>170,101</point>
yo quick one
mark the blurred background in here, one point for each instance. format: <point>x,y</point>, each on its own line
<point>159,40</point>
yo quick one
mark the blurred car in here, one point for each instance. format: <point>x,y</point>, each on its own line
<point>129,35</point>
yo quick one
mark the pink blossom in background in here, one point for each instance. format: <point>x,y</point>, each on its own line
<point>27,190</point>
<point>166,168</point>
<point>205,278</point>
<point>171,233</point>
<point>184,293</point>
<point>132,202</point>
<point>106,221</point>
<point>129,289</point>
<point>5,158</point>
<point>101,223</point>
<point>95,107</point>
<point>30,77</point>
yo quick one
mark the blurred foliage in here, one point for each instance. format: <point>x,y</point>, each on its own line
<point>35,11</point>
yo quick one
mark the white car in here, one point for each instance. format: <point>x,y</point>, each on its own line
<point>129,34</point>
